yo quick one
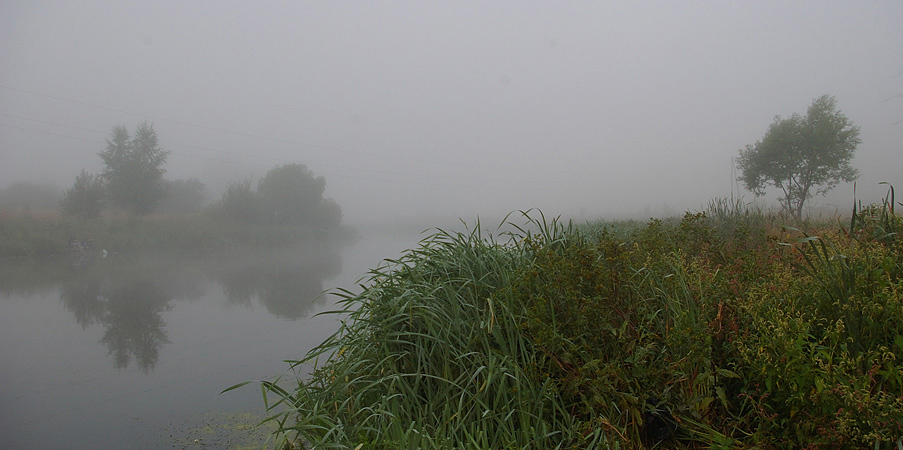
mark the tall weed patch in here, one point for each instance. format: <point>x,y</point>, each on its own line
<point>429,355</point>
<point>722,329</point>
<point>821,353</point>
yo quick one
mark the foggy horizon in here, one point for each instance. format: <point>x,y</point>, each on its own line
<point>466,109</point>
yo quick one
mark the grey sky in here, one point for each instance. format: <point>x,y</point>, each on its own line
<point>450,108</point>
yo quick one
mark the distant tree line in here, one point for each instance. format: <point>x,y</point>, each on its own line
<point>27,196</point>
<point>132,181</point>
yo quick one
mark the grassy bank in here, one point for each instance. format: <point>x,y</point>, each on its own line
<point>39,234</point>
<point>720,330</point>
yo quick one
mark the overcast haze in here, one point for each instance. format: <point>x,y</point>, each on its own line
<point>427,109</point>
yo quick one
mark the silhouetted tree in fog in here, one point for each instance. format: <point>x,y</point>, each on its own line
<point>801,154</point>
<point>183,196</point>
<point>85,197</point>
<point>293,195</point>
<point>287,195</point>
<point>134,169</point>
<point>241,203</point>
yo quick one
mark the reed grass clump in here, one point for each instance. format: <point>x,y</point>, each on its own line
<point>717,330</point>
<point>430,355</point>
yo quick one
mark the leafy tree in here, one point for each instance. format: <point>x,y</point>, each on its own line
<point>183,196</point>
<point>241,203</point>
<point>133,172</point>
<point>287,195</point>
<point>293,195</point>
<point>802,155</point>
<point>85,197</point>
<point>330,214</point>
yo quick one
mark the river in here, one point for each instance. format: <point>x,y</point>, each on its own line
<point>132,351</point>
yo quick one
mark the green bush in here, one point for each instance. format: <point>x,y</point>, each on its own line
<point>822,349</point>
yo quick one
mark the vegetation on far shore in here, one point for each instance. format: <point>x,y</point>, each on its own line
<point>723,329</point>
<point>130,206</point>
<point>286,208</point>
<point>48,233</point>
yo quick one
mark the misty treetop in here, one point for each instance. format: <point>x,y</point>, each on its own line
<point>85,197</point>
<point>802,154</point>
<point>184,196</point>
<point>289,194</point>
<point>134,170</point>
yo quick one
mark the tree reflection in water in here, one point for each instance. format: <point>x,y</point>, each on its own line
<point>287,285</point>
<point>129,313</point>
<point>128,297</point>
<point>133,324</point>
<point>84,300</point>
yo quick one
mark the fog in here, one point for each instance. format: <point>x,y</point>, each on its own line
<point>422,110</point>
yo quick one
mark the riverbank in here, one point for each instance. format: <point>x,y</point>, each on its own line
<point>47,233</point>
<point>723,329</point>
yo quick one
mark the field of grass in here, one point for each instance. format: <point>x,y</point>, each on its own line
<point>723,329</point>
<point>49,233</point>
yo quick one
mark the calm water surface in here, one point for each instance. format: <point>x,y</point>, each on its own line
<point>126,351</point>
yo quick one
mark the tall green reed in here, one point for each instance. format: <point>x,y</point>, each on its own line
<point>429,355</point>
<point>683,334</point>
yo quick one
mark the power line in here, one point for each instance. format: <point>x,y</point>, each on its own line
<point>530,186</point>
<point>179,122</point>
<point>52,123</point>
<point>546,170</point>
<point>51,133</point>
<point>170,143</point>
<point>240,133</point>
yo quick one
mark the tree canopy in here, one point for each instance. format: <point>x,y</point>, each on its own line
<point>185,196</point>
<point>241,203</point>
<point>289,194</point>
<point>802,155</point>
<point>134,169</point>
<point>85,197</point>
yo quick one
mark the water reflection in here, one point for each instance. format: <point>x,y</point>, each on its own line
<point>288,287</point>
<point>83,300</point>
<point>133,326</point>
<point>128,296</point>
<point>129,312</point>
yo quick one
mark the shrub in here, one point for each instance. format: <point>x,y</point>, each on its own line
<point>85,197</point>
